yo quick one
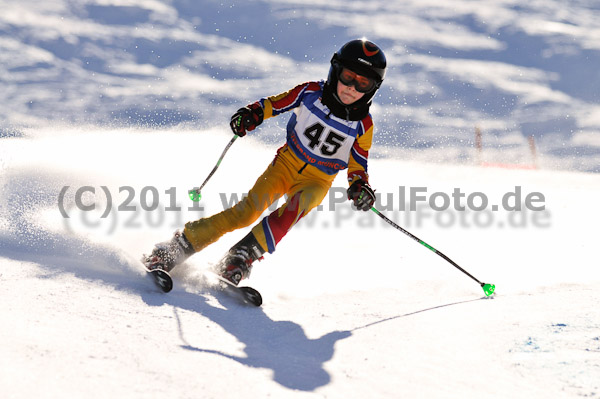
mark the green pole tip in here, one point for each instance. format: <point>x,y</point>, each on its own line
<point>489,289</point>
<point>195,195</point>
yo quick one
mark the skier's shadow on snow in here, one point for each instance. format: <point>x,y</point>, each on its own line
<point>282,346</point>
<point>297,361</point>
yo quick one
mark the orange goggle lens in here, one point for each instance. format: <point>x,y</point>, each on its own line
<point>361,83</point>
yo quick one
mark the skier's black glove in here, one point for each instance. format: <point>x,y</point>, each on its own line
<point>246,119</point>
<point>362,194</point>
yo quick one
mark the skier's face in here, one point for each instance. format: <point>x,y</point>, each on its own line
<point>348,94</point>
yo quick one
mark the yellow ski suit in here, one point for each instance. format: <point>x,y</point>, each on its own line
<point>318,146</point>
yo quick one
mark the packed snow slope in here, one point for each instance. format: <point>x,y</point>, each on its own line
<point>352,308</point>
<point>514,69</point>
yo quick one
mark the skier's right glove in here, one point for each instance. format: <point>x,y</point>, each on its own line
<point>362,194</point>
<point>247,119</point>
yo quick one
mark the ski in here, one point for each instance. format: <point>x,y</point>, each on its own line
<point>246,294</point>
<point>162,279</point>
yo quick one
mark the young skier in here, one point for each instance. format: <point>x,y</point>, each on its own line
<point>330,130</point>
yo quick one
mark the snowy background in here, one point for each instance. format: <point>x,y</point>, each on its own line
<point>137,94</point>
<point>514,70</point>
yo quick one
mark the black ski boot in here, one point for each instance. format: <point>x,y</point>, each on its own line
<point>237,264</point>
<point>166,255</point>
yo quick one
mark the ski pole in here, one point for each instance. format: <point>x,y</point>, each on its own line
<point>195,192</point>
<point>487,288</point>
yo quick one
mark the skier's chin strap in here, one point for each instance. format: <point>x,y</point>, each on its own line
<point>352,112</point>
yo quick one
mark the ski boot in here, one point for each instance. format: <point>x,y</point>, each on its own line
<point>237,264</point>
<point>166,255</point>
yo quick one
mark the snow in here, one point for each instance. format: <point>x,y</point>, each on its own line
<point>119,98</point>
<point>508,68</point>
<point>360,311</point>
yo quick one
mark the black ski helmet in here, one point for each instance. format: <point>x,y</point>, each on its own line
<point>363,57</point>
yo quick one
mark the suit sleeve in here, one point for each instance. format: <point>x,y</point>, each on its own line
<point>280,103</point>
<point>357,164</point>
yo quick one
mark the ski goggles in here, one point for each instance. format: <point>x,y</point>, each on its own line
<point>362,84</point>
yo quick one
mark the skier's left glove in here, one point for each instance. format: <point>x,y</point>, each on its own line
<point>362,194</point>
<point>247,119</point>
